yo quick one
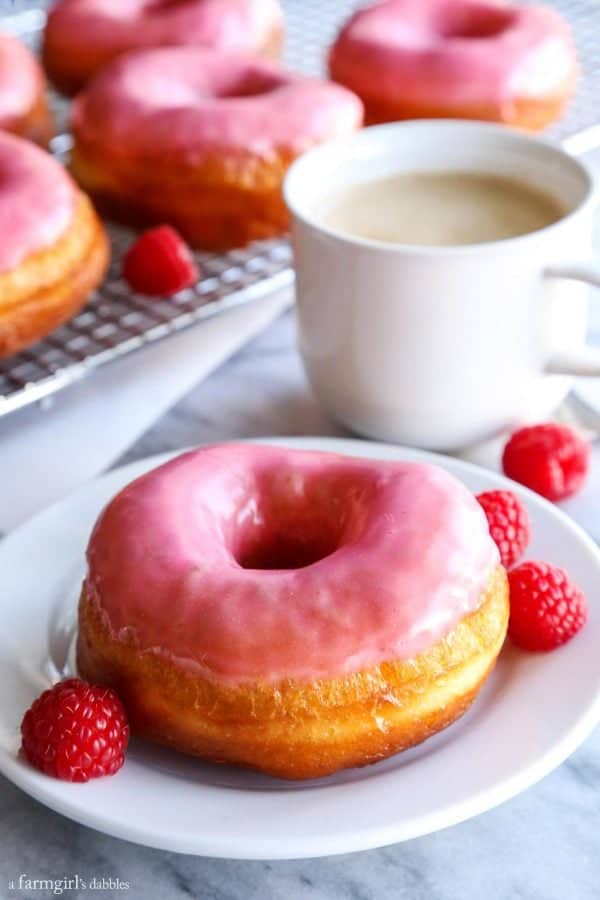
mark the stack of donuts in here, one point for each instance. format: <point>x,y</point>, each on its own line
<point>183,116</point>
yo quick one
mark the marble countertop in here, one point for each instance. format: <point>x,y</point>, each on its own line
<point>542,845</point>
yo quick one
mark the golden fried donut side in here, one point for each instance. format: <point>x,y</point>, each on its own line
<point>272,48</point>
<point>292,729</point>
<point>527,113</point>
<point>225,200</point>
<point>37,125</point>
<point>50,286</point>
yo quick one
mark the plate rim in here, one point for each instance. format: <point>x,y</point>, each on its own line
<point>38,786</point>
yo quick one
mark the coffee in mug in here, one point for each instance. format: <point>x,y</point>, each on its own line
<point>441,209</point>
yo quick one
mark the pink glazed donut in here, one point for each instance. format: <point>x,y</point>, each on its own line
<point>469,59</point>
<point>201,140</point>
<point>54,250</point>
<point>83,35</point>
<point>23,104</point>
<point>292,611</point>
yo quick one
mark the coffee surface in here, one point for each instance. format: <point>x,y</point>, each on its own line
<point>441,209</point>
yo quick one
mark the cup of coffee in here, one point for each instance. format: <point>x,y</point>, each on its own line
<point>442,272</point>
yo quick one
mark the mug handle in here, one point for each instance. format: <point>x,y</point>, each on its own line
<point>587,360</point>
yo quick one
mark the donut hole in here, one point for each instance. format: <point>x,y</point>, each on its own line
<point>286,551</point>
<point>249,84</point>
<point>158,6</point>
<point>474,22</point>
<point>292,522</point>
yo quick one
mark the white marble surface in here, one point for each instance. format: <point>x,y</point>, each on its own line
<point>543,845</point>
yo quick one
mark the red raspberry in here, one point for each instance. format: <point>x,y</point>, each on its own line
<point>75,731</point>
<point>160,263</point>
<point>509,525</point>
<point>546,608</point>
<point>551,459</point>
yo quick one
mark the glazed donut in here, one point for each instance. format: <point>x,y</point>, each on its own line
<point>81,36</point>
<point>53,250</point>
<point>290,611</point>
<point>469,59</point>
<point>23,105</point>
<point>201,140</point>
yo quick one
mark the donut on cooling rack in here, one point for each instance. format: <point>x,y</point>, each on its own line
<point>23,104</point>
<point>292,611</point>
<point>201,140</point>
<point>470,59</point>
<point>54,250</point>
<point>81,36</point>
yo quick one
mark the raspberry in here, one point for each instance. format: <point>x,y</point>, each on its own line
<point>508,521</point>
<point>546,608</point>
<point>551,459</point>
<point>160,263</point>
<point>75,731</point>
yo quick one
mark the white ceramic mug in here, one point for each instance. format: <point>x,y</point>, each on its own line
<point>441,347</point>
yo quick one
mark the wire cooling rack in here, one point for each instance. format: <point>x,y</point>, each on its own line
<point>116,321</point>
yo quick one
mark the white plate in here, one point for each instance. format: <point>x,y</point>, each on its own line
<point>534,711</point>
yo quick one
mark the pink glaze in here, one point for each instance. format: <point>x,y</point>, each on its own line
<point>454,53</point>
<point>402,553</point>
<point>21,80</point>
<point>102,28</point>
<point>36,200</point>
<point>190,100</point>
